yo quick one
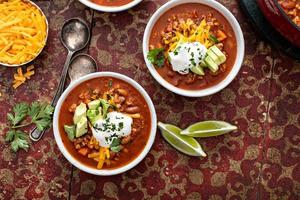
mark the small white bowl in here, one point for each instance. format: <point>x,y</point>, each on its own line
<point>47,32</point>
<point>98,7</point>
<point>104,172</point>
<point>239,57</point>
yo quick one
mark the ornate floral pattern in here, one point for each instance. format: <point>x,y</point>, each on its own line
<point>259,161</point>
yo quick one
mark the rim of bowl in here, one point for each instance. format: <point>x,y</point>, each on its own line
<point>286,16</point>
<point>105,172</point>
<point>46,38</point>
<point>98,7</point>
<point>235,68</point>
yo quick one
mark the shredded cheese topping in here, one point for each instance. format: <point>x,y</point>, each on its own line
<point>189,32</point>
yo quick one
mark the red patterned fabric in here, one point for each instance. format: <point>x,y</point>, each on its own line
<point>259,161</point>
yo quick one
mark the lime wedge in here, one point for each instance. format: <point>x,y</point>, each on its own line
<point>182,143</point>
<point>208,129</point>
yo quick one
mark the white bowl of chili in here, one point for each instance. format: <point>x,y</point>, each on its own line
<point>209,28</point>
<point>110,6</point>
<point>109,87</point>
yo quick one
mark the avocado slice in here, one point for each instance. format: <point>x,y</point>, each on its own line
<point>213,56</point>
<point>93,116</point>
<point>80,112</point>
<point>211,64</point>
<point>81,127</point>
<point>221,56</point>
<point>94,104</point>
<point>70,130</point>
<point>198,70</point>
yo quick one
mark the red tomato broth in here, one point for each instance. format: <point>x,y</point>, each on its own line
<point>135,147</point>
<point>112,2</point>
<point>230,47</point>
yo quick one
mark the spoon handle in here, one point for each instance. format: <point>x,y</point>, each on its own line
<point>61,85</point>
<point>35,134</point>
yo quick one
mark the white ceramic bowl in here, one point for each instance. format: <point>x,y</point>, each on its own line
<point>98,7</point>
<point>17,65</point>
<point>104,172</point>
<point>240,48</point>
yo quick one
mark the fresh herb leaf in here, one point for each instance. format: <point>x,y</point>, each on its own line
<point>34,109</point>
<point>10,135</point>
<point>19,113</point>
<point>213,38</point>
<point>115,145</point>
<point>116,149</point>
<point>18,140</point>
<point>70,130</point>
<point>156,57</point>
<point>41,115</point>
<point>115,142</point>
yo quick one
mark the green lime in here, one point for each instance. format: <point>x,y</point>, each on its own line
<point>208,129</point>
<point>182,143</point>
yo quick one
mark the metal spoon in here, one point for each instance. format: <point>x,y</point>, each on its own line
<point>81,64</point>
<point>75,35</point>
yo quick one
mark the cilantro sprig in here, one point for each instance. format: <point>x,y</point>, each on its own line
<point>115,145</point>
<point>156,57</point>
<point>24,115</point>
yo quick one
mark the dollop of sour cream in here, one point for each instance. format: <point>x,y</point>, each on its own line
<point>186,56</point>
<point>115,125</point>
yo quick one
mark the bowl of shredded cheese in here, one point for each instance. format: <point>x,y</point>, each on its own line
<point>23,32</point>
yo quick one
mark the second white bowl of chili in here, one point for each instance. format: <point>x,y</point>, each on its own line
<point>193,48</point>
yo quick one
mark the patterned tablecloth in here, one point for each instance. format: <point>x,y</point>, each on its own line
<point>260,161</point>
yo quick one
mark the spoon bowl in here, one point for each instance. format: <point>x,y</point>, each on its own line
<point>75,34</point>
<point>81,64</point>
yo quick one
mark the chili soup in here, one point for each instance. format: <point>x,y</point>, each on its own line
<point>104,123</point>
<point>192,46</point>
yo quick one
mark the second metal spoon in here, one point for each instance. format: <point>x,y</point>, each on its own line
<point>81,64</point>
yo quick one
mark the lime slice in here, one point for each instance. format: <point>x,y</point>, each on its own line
<point>208,129</point>
<point>182,143</point>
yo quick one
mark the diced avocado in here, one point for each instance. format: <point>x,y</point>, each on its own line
<point>213,56</point>
<point>105,105</point>
<point>94,104</point>
<point>93,116</point>
<point>221,56</point>
<point>211,64</point>
<point>80,112</point>
<point>70,130</point>
<point>198,70</point>
<point>81,127</point>
<point>203,64</point>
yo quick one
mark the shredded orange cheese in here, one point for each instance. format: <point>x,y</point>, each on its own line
<point>20,77</point>
<point>190,33</point>
<point>101,157</point>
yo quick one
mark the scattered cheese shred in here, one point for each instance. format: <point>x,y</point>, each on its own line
<point>20,77</point>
